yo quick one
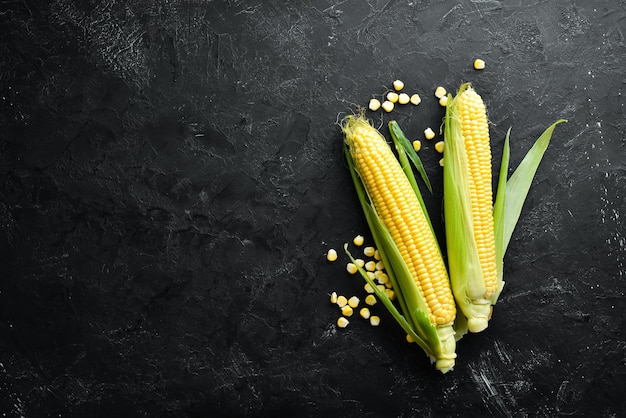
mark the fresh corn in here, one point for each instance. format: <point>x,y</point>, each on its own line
<point>396,204</point>
<point>468,195</point>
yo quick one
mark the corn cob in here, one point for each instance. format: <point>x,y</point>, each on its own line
<point>468,207</point>
<point>395,202</point>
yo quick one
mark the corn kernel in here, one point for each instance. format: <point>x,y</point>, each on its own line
<point>390,294</point>
<point>374,105</point>
<point>403,98</point>
<point>341,301</point>
<point>368,288</point>
<point>415,99</point>
<point>353,302</point>
<point>380,265</point>
<point>443,101</point>
<point>393,97</point>
<point>374,320</point>
<point>479,64</point>
<point>370,300</point>
<point>360,262</point>
<point>417,145</point>
<point>409,339</point>
<point>347,310</point>
<point>331,255</point>
<point>370,266</point>
<point>439,146</point>
<point>351,268</point>
<point>370,274</point>
<point>358,240</point>
<point>429,133</point>
<point>381,287</point>
<point>377,255</point>
<point>387,106</point>
<point>398,85</point>
<point>333,297</point>
<point>365,313</point>
<point>441,162</point>
<point>388,284</point>
<point>440,92</point>
<point>369,251</point>
<point>342,322</point>
<point>382,278</point>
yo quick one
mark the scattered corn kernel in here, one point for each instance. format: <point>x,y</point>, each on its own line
<point>376,255</point>
<point>370,266</point>
<point>333,297</point>
<point>440,92</point>
<point>369,251</point>
<point>441,162</point>
<point>389,285</point>
<point>347,310</point>
<point>351,268</point>
<point>381,287</point>
<point>368,288</point>
<point>331,255</point>
<point>380,265</point>
<point>370,274</point>
<point>374,105</point>
<point>374,320</point>
<point>403,98</point>
<point>387,106</point>
<point>342,322</point>
<point>390,294</point>
<point>443,101</point>
<point>360,262</point>
<point>409,339</point>
<point>382,278</point>
<point>439,146</point>
<point>429,133</point>
<point>353,302</point>
<point>341,301</point>
<point>416,99</point>
<point>398,85</point>
<point>417,145</point>
<point>479,64</point>
<point>393,97</point>
<point>358,240</point>
<point>370,300</point>
<point>365,313</point>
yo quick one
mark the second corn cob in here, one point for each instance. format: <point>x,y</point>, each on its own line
<point>468,208</point>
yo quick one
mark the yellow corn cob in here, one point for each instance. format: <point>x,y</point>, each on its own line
<point>400,211</point>
<point>475,133</point>
<point>402,214</point>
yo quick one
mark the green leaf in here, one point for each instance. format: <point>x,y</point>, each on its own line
<point>519,183</point>
<point>399,138</point>
<point>498,215</point>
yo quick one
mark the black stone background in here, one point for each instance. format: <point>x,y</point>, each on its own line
<point>172,177</point>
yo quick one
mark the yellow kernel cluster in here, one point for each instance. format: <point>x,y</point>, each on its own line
<point>393,97</point>
<point>375,269</point>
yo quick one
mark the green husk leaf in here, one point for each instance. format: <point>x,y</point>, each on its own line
<point>399,138</point>
<point>519,183</point>
<point>498,215</point>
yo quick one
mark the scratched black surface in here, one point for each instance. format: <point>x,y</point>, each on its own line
<point>172,178</point>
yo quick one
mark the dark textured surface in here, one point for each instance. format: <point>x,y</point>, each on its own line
<point>172,178</point>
